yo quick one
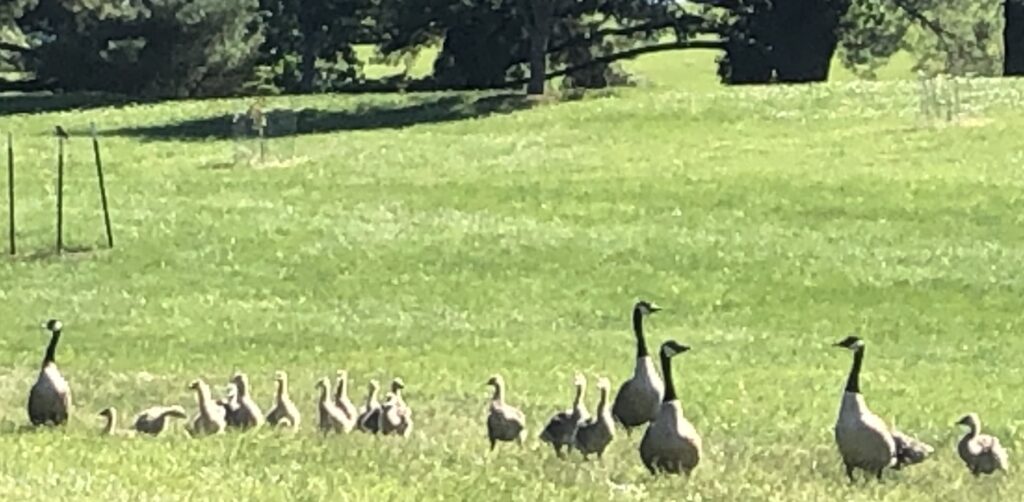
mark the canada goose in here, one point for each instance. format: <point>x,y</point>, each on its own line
<point>594,435</point>
<point>49,401</point>
<point>982,453</point>
<point>331,418</point>
<point>864,440</point>
<point>248,413</point>
<point>395,415</point>
<point>341,396</point>
<point>153,420</point>
<point>229,405</point>
<point>210,418</point>
<point>504,422</point>
<point>110,427</point>
<point>639,398</point>
<point>284,409</point>
<point>369,416</point>
<point>670,443</point>
<point>561,428</point>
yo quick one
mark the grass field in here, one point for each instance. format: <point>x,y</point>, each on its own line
<point>446,237</point>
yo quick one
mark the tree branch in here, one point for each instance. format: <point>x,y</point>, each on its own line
<point>929,24</point>
<point>4,46</point>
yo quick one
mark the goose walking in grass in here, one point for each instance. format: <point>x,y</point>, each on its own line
<point>341,396</point>
<point>110,427</point>
<point>395,414</point>
<point>369,416</point>
<point>504,422</point>
<point>331,418</point>
<point>49,400</point>
<point>639,398</point>
<point>671,444</point>
<point>594,435</point>
<point>560,430</point>
<point>248,414</point>
<point>210,417</point>
<point>153,420</point>
<point>284,413</point>
<point>981,453</point>
<point>863,438</point>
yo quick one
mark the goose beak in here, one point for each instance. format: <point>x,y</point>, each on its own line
<point>656,308</point>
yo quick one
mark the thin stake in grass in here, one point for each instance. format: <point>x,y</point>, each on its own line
<point>60,188</point>
<point>103,188</point>
<point>10,193</point>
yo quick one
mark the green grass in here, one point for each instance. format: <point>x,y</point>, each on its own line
<point>770,222</point>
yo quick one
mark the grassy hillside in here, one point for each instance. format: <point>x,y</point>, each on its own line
<point>442,238</point>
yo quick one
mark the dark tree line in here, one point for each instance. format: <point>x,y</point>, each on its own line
<point>220,47</point>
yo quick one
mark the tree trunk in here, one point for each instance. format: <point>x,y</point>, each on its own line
<point>805,39</point>
<point>540,13</point>
<point>307,67</point>
<point>1013,38</point>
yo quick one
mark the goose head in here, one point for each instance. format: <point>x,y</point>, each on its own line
<point>241,381</point>
<point>396,385</point>
<point>645,308</point>
<point>373,386</point>
<point>850,343</point>
<point>579,380</point>
<point>496,381</point>
<point>603,384</point>
<point>53,325</point>
<point>342,375</point>
<point>197,385</point>
<point>969,420</point>
<point>323,384</point>
<point>672,348</point>
<point>280,377</point>
<point>107,413</point>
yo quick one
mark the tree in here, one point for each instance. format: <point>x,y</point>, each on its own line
<point>1013,37</point>
<point>155,48</point>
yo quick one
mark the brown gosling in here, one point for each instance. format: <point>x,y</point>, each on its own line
<point>561,428</point>
<point>597,433</point>
<point>504,422</point>
<point>981,453</point>
<point>331,418</point>
<point>110,427</point>
<point>284,413</point>
<point>369,416</point>
<point>249,414</point>
<point>229,404</point>
<point>210,418</point>
<point>395,414</point>
<point>153,420</point>
<point>341,396</point>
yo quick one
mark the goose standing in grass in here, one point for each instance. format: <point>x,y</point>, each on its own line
<point>594,435</point>
<point>229,404</point>
<point>504,422</point>
<point>638,399</point>
<point>284,412</point>
<point>909,450</point>
<point>671,443</point>
<point>395,414</point>
<point>49,400</point>
<point>341,396</point>
<point>153,420</point>
<point>982,453</point>
<point>331,418</point>
<point>210,418</point>
<point>864,440</point>
<point>110,427</point>
<point>560,430</point>
<point>248,414</point>
<point>369,417</point>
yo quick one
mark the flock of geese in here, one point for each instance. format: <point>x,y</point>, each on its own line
<point>670,443</point>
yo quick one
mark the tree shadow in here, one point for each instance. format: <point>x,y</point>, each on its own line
<point>282,123</point>
<point>49,102</point>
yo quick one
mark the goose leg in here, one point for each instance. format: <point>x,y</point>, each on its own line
<point>493,443</point>
<point>849,472</point>
<point>878,475</point>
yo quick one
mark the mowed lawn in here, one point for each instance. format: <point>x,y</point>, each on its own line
<point>442,238</point>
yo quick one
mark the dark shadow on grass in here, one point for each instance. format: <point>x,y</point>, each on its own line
<point>282,123</point>
<point>49,102</point>
<point>68,251</point>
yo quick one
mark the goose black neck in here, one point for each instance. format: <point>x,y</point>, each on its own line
<point>666,370</point>
<point>638,330</point>
<point>853,381</point>
<point>339,390</point>
<point>51,349</point>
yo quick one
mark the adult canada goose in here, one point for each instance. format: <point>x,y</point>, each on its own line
<point>210,418</point>
<point>639,398</point>
<point>248,414</point>
<point>864,440</point>
<point>504,422</point>
<point>395,414</point>
<point>369,416</point>
<point>982,453</point>
<point>284,408</point>
<point>331,418</point>
<point>560,430</point>
<point>594,435</point>
<point>110,427</point>
<point>153,420</point>
<point>49,400</point>
<point>341,396</point>
<point>671,443</point>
